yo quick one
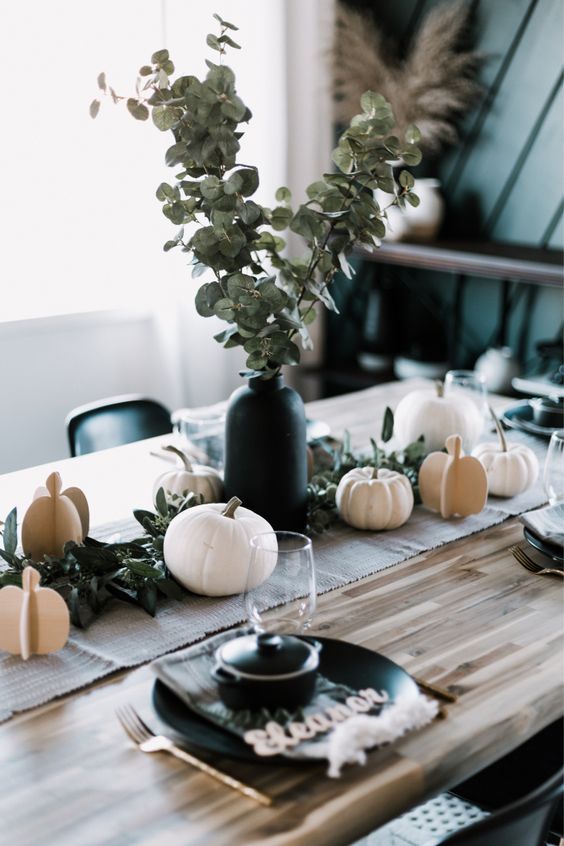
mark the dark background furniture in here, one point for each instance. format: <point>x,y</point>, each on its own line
<point>492,278</point>
<point>115,421</point>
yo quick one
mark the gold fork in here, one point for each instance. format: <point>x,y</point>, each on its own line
<point>147,741</point>
<point>526,562</point>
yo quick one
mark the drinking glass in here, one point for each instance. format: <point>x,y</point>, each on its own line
<point>202,433</point>
<point>285,601</point>
<point>473,385</point>
<point>553,475</point>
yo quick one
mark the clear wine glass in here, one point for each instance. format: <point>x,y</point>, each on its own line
<point>285,601</point>
<point>553,475</point>
<point>471,384</point>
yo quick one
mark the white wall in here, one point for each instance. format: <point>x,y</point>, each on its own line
<point>52,365</point>
<point>97,226</point>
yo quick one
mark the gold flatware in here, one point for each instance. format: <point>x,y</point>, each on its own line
<point>531,566</point>
<point>147,741</point>
<point>435,690</point>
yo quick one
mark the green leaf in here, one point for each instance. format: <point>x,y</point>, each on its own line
<point>406,180</point>
<point>165,117</point>
<point>137,109</point>
<point>225,24</point>
<point>343,158</point>
<point>283,195</point>
<point>146,70</point>
<point>160,57</point>
<point>147,597</point>
<point>388,425</point>
<point>411,155</point>
<point>10,532</point>
<point>161,503</point>
<point>225,39</point>
<point>370,102</point>
<point>224,309</point>
<point>412,199</point>
<point>94,108</point>
<point>101,80</point>
<point>213,42</point>
<point>412,134</point>
<point>250,180</point>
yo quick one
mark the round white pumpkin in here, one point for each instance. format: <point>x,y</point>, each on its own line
<point>429,413</point>
<point>374,499</point>
<point>510,468</point>
<point>196,478</point>
<point>206,548</point>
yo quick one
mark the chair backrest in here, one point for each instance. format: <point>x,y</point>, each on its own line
<point>522,823</point>
<point>115,421</point>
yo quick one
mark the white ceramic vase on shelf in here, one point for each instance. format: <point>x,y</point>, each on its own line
<point>421,223</point>
<point>499,367</point>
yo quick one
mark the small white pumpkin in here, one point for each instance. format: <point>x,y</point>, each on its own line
<point>192,477</point>
<point>374,499</point>
<point>206,548</point>
<point>510,468</point>
<point>430,413</point>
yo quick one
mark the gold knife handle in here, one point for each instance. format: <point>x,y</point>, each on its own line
<point>435,690</point>
<point>228,780</point>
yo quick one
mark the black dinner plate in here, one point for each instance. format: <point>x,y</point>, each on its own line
<point>555,554</point>
<point>341,662</point>
<point>520,416</point>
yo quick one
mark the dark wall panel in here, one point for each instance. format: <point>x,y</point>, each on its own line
<point>511,120</point>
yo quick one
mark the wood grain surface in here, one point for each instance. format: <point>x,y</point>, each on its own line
<point>465,616</point>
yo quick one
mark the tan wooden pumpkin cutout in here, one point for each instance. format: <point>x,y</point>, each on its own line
<point>453,483</point>
<point>53,518</point>
<point>32,619</point>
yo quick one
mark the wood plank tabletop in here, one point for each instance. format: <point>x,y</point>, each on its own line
<point>465,616</point>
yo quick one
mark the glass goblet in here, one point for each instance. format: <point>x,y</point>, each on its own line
<point>553,474</point>
<point>285,601</point>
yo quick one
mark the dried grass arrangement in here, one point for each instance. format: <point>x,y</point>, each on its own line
<point>431,87</point>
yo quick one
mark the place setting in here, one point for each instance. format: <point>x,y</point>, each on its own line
<point>269,692</point>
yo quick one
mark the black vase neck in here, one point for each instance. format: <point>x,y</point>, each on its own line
<point>266,385</point>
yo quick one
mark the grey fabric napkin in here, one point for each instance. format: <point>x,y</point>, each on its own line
<point>546,523</point>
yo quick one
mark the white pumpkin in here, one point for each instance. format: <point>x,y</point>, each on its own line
<point>206,548</point>
<point>192,477</point>
<point>373,499</point>
<point>429,413</point>
<point>510,468</point>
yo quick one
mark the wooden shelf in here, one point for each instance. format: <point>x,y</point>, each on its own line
<point>496,261</point>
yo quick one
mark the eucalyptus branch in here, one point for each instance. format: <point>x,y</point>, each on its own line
<point>262,311</point>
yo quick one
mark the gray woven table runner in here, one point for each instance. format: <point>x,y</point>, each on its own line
<point>125,636</point>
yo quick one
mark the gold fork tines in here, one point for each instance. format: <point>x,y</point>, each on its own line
<point>147,741</point>
<point>530,565</point>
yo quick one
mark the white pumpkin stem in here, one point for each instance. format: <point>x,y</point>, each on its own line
<point>181,455</point>
<point>440,388</point>
<point>374,474</point>
<point>231,507</point>
<point>499,428</point>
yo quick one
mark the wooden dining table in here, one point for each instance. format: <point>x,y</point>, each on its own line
<point>465,616</point>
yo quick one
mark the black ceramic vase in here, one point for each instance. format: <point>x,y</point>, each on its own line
<point>265,452</point>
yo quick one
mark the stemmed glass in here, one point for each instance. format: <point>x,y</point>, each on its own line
<point>285,601</point>
<point>553,475</point>
<point>472,385</point>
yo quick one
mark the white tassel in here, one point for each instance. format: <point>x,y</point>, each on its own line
<point>348,742</point>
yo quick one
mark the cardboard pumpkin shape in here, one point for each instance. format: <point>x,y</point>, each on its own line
<point>32,619</point>
<point>453,483</point>
<point>53,518</point>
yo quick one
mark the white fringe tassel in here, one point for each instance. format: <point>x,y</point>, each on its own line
<point>348,742</point>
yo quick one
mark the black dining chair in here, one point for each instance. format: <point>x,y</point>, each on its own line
<point>115,421</point>
<point>517,801</point>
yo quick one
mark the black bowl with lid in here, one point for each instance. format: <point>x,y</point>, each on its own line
<point>266,671</point>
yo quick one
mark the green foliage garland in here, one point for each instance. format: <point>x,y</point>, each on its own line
<point>266,299</point>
